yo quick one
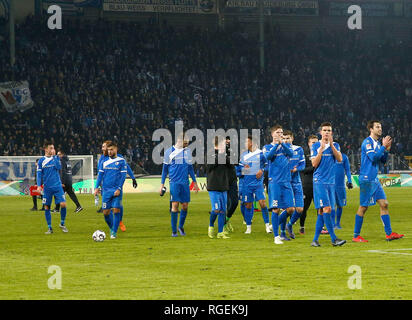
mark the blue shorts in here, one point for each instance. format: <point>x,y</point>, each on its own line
<point>280,195</point>
<point>218,200</point>
<point>340,194</point>
<point>324,195</point>
<point>370,191</point>
<point>109,201</point>
<point>58,194</point>
<point>254,193</point>
<point>298,195</point>
<point>179,192</point>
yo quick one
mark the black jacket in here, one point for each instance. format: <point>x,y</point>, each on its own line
<point>307,173</point>
<point>66,171</point>
<point>218,175</point>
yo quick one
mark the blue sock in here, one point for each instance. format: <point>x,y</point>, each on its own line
<point>242,209</point>
<point>213,216</point>
<point>221,221</point>
<point>339,211</point>
<point>294,218</point>
<point>48,217</point>
<point>62,215</point>
<point>387,224</point>
<point>121,213</point>
<point>109,220</point>
<point>318,227</point>
<point>249,215</point>
<point>173,221</point>
<point>116,222</point>
<point>275,223</point>
<point>333,216</point>
<point>265,215</point>
<point>282,222</point>
<point>328,222</point>
<point>358,225</point>
<point>182,220</point>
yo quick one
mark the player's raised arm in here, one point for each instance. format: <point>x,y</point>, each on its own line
<point>335,149</point>
<point>372,154</point>
<point>57,162</point>
<point>302,162</point>
<point>316,154</point>
<point>270,154</point>
<point>287,148</point>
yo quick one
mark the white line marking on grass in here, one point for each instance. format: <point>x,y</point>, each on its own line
<point>389,251</point>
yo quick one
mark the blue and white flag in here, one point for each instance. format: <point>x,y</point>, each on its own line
<point>15,96</point>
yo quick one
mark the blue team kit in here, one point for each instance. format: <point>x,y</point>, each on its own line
<point>280,187</point>
<point>48,169</point>
<point>373,153</point>
<point>177,163</point>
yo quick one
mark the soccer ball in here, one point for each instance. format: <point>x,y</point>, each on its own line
<point>99,236</point>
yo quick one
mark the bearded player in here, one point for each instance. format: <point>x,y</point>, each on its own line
<point>371,191</point>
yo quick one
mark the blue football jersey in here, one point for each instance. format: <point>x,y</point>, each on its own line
<point>277,156</point>
<point>103,158</point>
<point>298,161</point>
<point>177,163</point>
<point>256,161</point>
<point>48,172</point>
<point>112,173</point>
<point>342,168</point>
<point>372,154</point>
<point>325,171</point>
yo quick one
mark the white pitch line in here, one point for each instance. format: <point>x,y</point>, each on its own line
<point>389,252</point>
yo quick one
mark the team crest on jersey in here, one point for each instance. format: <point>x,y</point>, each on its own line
<point>117,163</point>
<point>369,146</point>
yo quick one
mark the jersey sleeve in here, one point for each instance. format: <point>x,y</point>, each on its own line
<point>374,156</point>
<point>314,150</point>
<point>123,171</point>
<point>130,172</point>
<point>302,162</point>
<point>39,172</point>
<point>346,165</point>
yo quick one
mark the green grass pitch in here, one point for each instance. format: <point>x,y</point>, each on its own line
<point>145,262</point>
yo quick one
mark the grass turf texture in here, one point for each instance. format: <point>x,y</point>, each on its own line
<point>145,262</point>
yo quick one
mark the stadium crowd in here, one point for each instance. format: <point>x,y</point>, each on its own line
<point>93,81</point>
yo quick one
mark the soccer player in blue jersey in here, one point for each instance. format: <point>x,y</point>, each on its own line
<point>177,164</point>
<point>253,162</point>
<point>280,190</point>
<point>341,169</point>
<point>324,155</point>
<point>112,175</point>
<point>371,191</point>
<point>102,159</point>
<point>48,172</point>
<point>297,163</point>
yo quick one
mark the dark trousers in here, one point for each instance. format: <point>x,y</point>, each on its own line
<point>34,198</point>
<point>308,197</point>
<point>232,200</point>
<point>70,191</point>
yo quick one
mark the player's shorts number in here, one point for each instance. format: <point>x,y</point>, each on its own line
<point>43,200</point>
<point>274,203</point>
<point>104,205</point>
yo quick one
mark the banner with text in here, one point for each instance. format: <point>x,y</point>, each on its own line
<point>273,7</point>
<point>161,6</point>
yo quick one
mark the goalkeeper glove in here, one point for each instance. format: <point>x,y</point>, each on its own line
<point>134,183</point>
<point>349,185</point>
